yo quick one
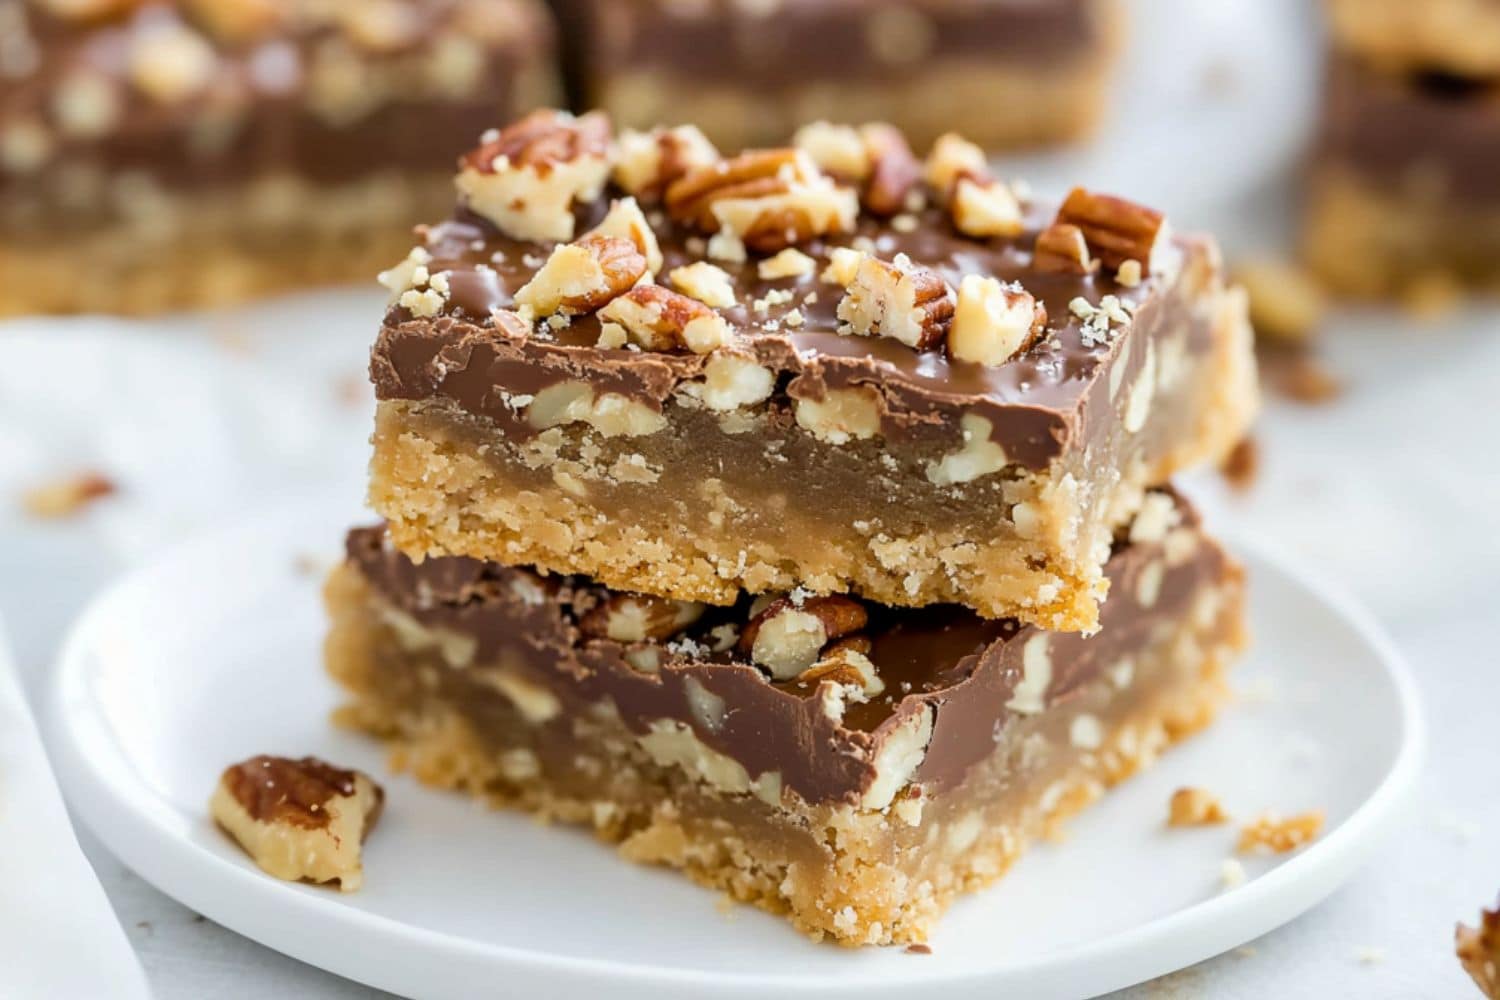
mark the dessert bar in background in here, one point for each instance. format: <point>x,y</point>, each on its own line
<point>829,365</point>
<point>161,154</point>
<point>1003,72</point>
<point>1404,191</point>
<point>851,765</point>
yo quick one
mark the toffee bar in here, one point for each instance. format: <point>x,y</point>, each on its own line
<point>1005,73</point>
<point>850,765</point>
<point>1404,190</point>
<point>830,365</point>
<point>159,154</point>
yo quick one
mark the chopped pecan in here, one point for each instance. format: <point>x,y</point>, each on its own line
<point>660,319</point>
<point>544,138</point>
<point>894,170</point>
<point>626,221</point>
<point>994,322</point>
<point>1195,807</point>
<point>638,618</point>
<point>769,199</point>
<point>845,664</point>
<point>299,819</point>
<point>580,277</point>
<point>1478,950</point>
<point>983,209</point>
<point>1062,247</point>
<point>952,159</point>
<point>650,161</point>
<point>898,300</point>
<point>526,177</point>
<point>1115,230</point>
<point>67,496</point>
<point>787,637</point>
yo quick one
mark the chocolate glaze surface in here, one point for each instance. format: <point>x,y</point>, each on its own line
<point>1037,403</point>
<point>1433,134</point>
<point>964,667</point>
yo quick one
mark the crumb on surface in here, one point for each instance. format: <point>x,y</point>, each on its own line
<point>1231,873</point>
<point>918,949</point>
<point>1478,950</point>
<point>1195,807</point>
<point>67,496</point>
<point>1271,832</point>
<point>1299,376</point>
<point>1242,465</point>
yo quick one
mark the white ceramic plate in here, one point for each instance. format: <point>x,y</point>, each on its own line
<point>212,654</point>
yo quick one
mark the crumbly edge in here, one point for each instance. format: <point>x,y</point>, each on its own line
<point>1457,36</point>
<point>1370,242</point>
<point>218,247</point>
<point>856,885</point>
<point>994,106</point>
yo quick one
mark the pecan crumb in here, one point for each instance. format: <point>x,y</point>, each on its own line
<point>1241,466</point>
<point>918,949</point>
<point>1478,950</point>
<point>68,496</point>
<point>1195,807</point>
<point>1270,832</point>
<point>1286,302</point>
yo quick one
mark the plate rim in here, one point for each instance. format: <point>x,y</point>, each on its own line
<point>136,826</point>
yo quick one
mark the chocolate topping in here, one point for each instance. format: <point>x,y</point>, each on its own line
<point>965,667</point>
<point>1437,134</point>
<point>1036,402</point>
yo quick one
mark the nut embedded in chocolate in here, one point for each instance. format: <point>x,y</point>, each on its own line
<point>299,819</point>
<point>659,319</point>
<point>580,277</point>
<point>638,617</point>
<point>769,199</point>
<point>1062,247</point>
<point>898,300</point>
<point>787,637</point>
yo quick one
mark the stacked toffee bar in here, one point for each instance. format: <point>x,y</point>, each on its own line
<point>747,72</point>
<point>794,518</point>
<point>164,153</point>
<point>1405,192</point>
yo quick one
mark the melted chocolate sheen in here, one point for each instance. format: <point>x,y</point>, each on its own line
<point>963,666</point>
<point>1035,402</point>
<point>1419,130</point>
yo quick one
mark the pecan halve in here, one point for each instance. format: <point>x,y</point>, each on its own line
<point>1116,230</point>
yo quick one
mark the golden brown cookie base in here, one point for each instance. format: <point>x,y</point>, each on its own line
<point>856,876</point>
<point>223,246</point>
<point>666,514</point>
<point>1373,242</point>
<point>1454,36</point>
<point>997,106</point>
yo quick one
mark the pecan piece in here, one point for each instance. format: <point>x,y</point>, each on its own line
<point>847,664</point>
<point>638,618</point>
<point>299,819</point>
<point>1195,807</point>
<point>67,496</point>
<point>1115,230</point>
<point>580,277</point>
<point>983,209</point>
<point>626,221</point>
<point>898,300</point>
<point>894,170</point>
<point>1478,950</point>
<point>660,319</point>
<point>874,156</point>
<point>1061,247</point>
<point>526,177</point>
<point>952,159</point>
<point>650,161</point>
<point>1270,832</point>
<point>994,322</point>
<point>787,637</point>
<point>769,199</point>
